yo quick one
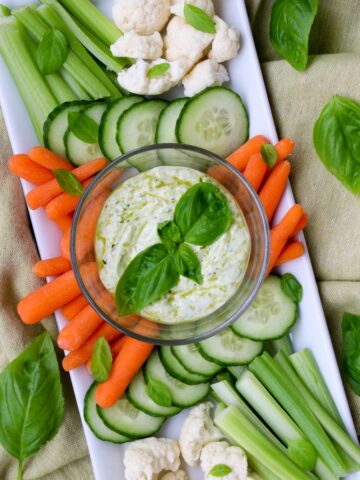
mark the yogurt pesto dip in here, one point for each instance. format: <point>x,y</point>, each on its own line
<point>128,224</point>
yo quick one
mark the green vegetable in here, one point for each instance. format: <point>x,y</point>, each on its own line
<point>203,214</point>
<point>291,287</point>
<point>199,19</point>
<point>158,70</point>
<point>170,235</point>
<point>351,349</point>
<point>149,276</point>
<point>31,400</point>
<point>4,11</point>
<point>337,140</point>
<point>302,453</point>
<point>51,52</point>
<point>68,182</point>
<point>220,470</point>
<point>83,127</point>
<point>187,263</point>
<point>290,27</point>
<point>269,154</point>
<point>101,360</point>
<point>159,392</point>
<point>284,344</point>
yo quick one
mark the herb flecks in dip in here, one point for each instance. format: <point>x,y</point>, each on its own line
<point>129,224</point>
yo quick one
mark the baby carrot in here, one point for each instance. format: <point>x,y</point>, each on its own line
<point>242,155</point>
<point>291,251</point>
<point>41,195</point>
<point>80,356</point>
<point>281,233</point>
<point>274,187</point>
<point>64,223</point>
<point>23,167</point>
<point>255,171</point>
<point>301,225</point>
<point>115,347</point>
<point>74,307</point>
<point>130,359</point>
<point>47,299</point>
<point>51,267</point>
<point>49,159</point>
<point>284,149</point>
<point>65,244</point>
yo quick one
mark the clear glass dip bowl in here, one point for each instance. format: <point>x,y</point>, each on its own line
<point>83,252</point>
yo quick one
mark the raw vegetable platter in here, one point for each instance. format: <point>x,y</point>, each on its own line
<point>311,329</point>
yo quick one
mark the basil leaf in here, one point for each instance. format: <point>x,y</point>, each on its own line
<point>337,140</point>
<point>269,154</point>
<point>290,27</point>
<point>31,399</point>
<point>158,70</point>
<point>291,287</point>
<point>203,214</point>
<point>187,263</point>
<point>159,392</point>
<point>83,127</point>
<point>51,52</point>
<point>169,234</point>
<point>4,11</point>
<point>101,360</point>
<point>68,182</point>
<point>351,349</point>
<point>220,470</point>
<point>149,276</point>
<point>199,19</point>
<point>302,453</point>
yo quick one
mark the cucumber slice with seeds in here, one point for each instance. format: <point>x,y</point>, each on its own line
<point>191,359</point>
<point>176,370</point>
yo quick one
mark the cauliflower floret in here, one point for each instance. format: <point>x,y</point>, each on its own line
<point>177,6</point>
<point>143,16</point>
<point>183,42</point>
<point>216,453</point>
<point>205,74</point>
<point>179,475</point>
<point>197,430</point>
<point>226,43</point>
<point>147,47</point>
<point>144,459</point>
<point>135,79</point>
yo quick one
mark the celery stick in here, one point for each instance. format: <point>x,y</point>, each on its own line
<point>38,99</point>
<point>291,399</point>
<point>282,344</point>
<point>242,432</point>
<point>236,371</point>
<point>74,85</point>
<point>50,16</point>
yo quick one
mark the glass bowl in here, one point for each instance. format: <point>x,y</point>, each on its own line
<point>83,232</point>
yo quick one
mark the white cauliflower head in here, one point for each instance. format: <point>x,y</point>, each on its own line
<point>179,475</point>
<point>136,78</point>
<point>197,430</point>
<point>143,16</point>
<point>131,44</point>
<point>183,42</point>
<point>205,74</point>
<point>145,459</point>
<point>177,6</point>
<point>216,453</point>
<point>226,43</point>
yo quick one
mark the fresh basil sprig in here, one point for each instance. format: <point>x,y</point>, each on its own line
<point>51,52</point>
<point>337,140</point>
<point>101,360</point>
<point>220,470</point>
<point>159,392</point>
<point>31,400</point>
<point>351,350</point>
<point>291,286</point>
<point>199,19</point>
<point>290,28</point>
<point>187,263</point>
<point>83,127</point>
<point>170,235</point>
<point>68,182</point>
<point>158,70</point>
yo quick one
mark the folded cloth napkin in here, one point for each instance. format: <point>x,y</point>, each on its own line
<point>333,234</point>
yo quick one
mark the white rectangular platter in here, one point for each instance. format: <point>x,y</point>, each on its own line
<point>311,330</point>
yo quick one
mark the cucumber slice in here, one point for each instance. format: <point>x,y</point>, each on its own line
<point>271,315</point>
<point>108,126</point>
<point>214,119</point>
<point>96,425</point>
<point>56,125</point>
<point>80,152</point>
<point>227,348</point>
<point>138,396</point>
<point>183,395</point>
<point>191,360</point>
<point>176,370</point>
<point>128,420</point>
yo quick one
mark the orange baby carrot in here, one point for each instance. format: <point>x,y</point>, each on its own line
<point>274,187</point>
<point>130,359</point>
<point>64,203</point>
<point>284,149</point>
<point>47,299</point>
<point>64,223</point>
<point>51,267</point>
<point>301,225</point>
<point>242,155</point>
<point>74,307</point>
<point>23,167</point>
<point>65,244</point>
<point>255,171</point>
<point>49,159</point>
<point>80,356</point>
<point>41,195</point>
<point>115,346</point>
<point>291,251</point>
<point>281,233</point>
